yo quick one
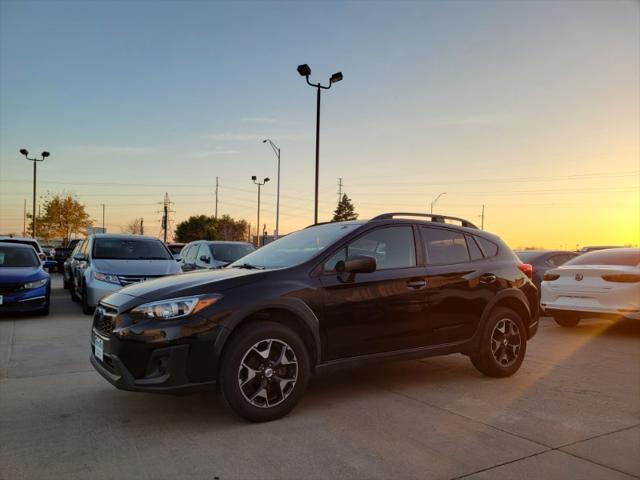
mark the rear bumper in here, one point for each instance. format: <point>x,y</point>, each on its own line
<point>606,313</point>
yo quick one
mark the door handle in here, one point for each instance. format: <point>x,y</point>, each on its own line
<point>417,284</point>
<point>488,278</point>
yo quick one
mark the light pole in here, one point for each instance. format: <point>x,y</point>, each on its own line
<point>103,205</point>
<point>305,71</point>
<point>255,180</point>
<point>436,199</point>
<point>25,152</point>
<point>277,152</point>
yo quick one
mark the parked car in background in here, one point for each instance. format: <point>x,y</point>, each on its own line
<point>107,262</point>
<point>49,251</point>
<point>329,295</point>
<point>602,283</point>
<point>66,266</point>
<point>175,249</point>
<point>63,252</point>
<point>203,254</point>
<point>24,285</point>
<point>543,260</point>
<point>33,243</point>
<point>597,247</point>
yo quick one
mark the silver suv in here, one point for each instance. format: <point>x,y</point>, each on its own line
<point>107,262</point>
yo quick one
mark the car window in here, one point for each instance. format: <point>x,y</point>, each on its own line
<point>190,256</point>
<point>184,252</point>
<point>84,248</point>
<point>474,250</point>
<point>489,248</point>
<point>203,251</point>
<point>230,252</point>
<point>392,247</point>
<point>130,249</point>
<point>18,256</point>
<point>557,260</point>
<point>444,246</point>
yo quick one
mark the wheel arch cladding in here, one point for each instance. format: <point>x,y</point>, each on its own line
<point>513,299</point>
<point>291,312</point>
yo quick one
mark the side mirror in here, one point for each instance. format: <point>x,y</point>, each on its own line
<point>81,257</point>
<point>360,264</point>
<point>205,259</point>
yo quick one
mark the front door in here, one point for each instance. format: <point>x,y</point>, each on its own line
<point>382,311</point>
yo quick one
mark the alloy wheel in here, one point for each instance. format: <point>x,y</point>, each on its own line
<point>506,342</point>
<point>268,373</point>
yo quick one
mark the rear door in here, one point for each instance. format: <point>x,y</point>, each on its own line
<point>382,311</point>
<point>460,283</point>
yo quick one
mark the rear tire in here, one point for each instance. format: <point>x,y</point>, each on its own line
<point>567,320</point>
<point>65,282</point>
<point>503,344</point>
<point>264,371</point>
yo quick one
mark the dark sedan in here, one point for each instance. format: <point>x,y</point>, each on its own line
<point>543,260</point>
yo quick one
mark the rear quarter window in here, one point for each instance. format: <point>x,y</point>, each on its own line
<point>489,248</point>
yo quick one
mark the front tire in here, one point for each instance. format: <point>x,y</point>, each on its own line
<point>264,371</point>
<point>86,308</point>
<point>567,320</point>
<point>503,344</point>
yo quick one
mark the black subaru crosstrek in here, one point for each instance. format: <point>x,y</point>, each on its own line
<point>395,287</point>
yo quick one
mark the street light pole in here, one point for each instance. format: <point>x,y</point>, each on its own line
<point>304,70</point>
<point>435,200</point>
<point>102,216</point>
<point>254,178</point>
<point>25,152</point>
<point>277,152</point>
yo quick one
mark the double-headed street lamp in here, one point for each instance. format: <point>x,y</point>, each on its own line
<point>35,161</point>
<point>277,152</point>
<point>305,71</point>
<point>436,199</point>
<point>255,180</point>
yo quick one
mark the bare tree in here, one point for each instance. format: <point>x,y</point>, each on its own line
<point>134,227</point>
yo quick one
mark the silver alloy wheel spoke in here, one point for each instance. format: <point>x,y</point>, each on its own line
<point>265,382</point>
<point>506,342</point>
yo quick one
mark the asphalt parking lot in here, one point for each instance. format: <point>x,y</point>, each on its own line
<point>573,411</point>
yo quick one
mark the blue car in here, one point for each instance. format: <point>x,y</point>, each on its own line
<point>24,285</point>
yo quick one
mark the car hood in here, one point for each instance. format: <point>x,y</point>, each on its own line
<point>136,267</point>
<point>192,283</point>
<point>21,274</point>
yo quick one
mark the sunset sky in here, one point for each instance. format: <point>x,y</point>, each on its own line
<point>530,108</point>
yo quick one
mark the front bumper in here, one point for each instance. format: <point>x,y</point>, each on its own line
<point>25,301</point>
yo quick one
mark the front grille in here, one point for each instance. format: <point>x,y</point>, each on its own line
<point>104,320</point>
<point>129,279</point>
<point>9,288</point>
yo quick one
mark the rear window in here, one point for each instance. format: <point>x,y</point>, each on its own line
<point>130,249</point>
<point>17,257</point>
<point>617,256</point>
<point>527,257</point>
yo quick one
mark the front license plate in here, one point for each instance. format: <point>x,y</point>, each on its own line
<point>99,348</point>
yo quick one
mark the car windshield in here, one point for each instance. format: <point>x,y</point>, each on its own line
<point>528,257</point>
<point>230,252</point>
<point>619,256</point>
<point>130,249</point>
<point>18,257</point>
<point>297,247</point>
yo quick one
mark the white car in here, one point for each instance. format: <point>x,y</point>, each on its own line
<point>603,283</point>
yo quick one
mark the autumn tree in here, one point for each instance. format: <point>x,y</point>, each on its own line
<point>345,210</point>
<point>62,217</point>
<point>135,227</point>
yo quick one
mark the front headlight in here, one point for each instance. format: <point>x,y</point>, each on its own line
<point>106,277</point>
<point>174,307</point>
<point>34,284</point>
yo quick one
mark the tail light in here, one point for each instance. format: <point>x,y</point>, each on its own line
<point>550,277</point>
<point>622,278</point>
<point>527,269</point>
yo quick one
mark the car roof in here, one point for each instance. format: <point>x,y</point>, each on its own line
<point>18,245</point>
<point>19,239</point>
<point>124,236</point>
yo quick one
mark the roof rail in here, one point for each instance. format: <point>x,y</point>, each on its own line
<point>431,216</point>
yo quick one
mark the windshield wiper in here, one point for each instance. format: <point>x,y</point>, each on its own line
<point>248,266</point>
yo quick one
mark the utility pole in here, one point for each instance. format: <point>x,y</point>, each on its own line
<point>482,219</point>
<point>276,150</point>
<point>216,214</point>
<point>166,210</point>
<point>24,219</point>
<point>103,217</point>
<point>141,226</point>
<point>340,185</point>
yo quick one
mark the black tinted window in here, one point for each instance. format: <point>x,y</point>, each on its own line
<point>129,249</point>
<point>444,246</point>
<point>231,252</point>
<point>617,256</point>
<point>18,257</point>
<point>392,247</point>
<point>489,248</point>
<point>474,250</point>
